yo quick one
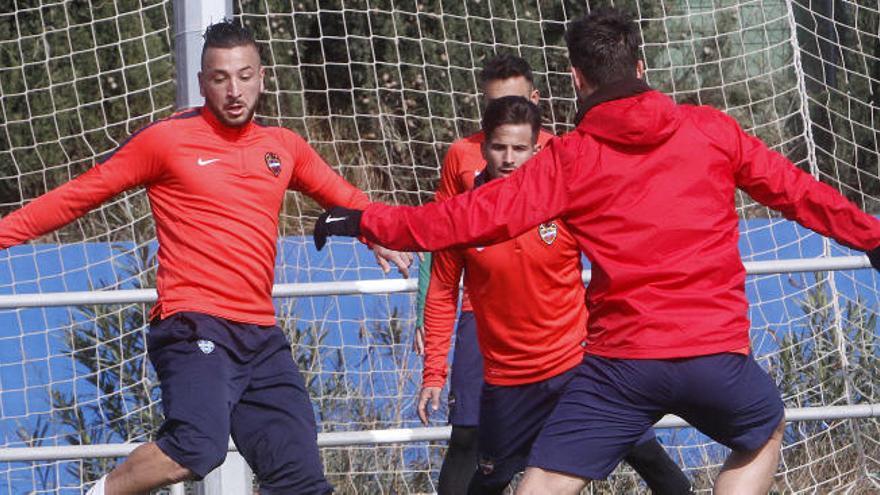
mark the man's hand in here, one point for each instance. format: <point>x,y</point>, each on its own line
<point>384,256</point>
<point>337,221</point>
<point>431,394</point>
<point>419,341</point>
<point>874,257</point>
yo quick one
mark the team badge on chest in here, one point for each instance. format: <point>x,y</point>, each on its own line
<point>548,232</point>
<point>274,163</point>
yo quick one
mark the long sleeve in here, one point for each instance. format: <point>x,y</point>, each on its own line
<point>440,305</point>
<point>314,178</point>
<point>448,187</point>
<point>135,162</point>
<point>499,210</point>
<point>774,181</point>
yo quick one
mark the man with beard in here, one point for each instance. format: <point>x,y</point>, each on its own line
<point>216,181</point>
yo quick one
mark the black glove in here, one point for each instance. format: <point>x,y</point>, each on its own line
<point>337,221</point>
<point>874,256</point>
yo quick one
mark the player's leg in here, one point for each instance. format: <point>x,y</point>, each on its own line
<point>465,384</point>
<point>199,382</point>
<point>273,425</point>
<point>654,465</point>
<point>737,404</point>
<point>537,481</point>
<point>460,461</point>
<point>606,407</point>
<point>755,468</point>
<point>147,467</point>
<point>510,419</point>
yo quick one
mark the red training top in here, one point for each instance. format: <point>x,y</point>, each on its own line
<point>528,302</point>
<point>647,187</point>
<point>461,165</point>
<point>216,192</point>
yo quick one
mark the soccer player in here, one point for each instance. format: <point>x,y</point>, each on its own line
<point>531,321</point>
<point>216,181</point>
<point>503,75</point>
<point>647,187</point>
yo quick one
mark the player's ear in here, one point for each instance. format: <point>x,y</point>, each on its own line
<point>201,77</point>
<point>640,69</point>
<point>262,79</point>
<point>577,78</point>
<point>535,96</point>
<point>582,87</point>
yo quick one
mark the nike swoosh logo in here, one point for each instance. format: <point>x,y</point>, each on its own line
<point>202,163</point>
<point>334,219</point>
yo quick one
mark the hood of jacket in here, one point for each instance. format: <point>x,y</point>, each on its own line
<point>630,113</point>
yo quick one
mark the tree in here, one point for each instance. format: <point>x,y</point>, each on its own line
<point>839,48</point>
<point>834,360</point>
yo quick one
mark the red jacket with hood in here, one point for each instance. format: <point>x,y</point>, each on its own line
<point>647,187</point>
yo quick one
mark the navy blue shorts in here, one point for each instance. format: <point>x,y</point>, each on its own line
<point>466,378</point>
<point>609,404</point>
<point>510,419</point>
<point>220,378</point>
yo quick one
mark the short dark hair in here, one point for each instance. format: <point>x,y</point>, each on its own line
<point>227,34</point>
<point>511,110</point>
<point>604,46</point>
<point>503,67</point>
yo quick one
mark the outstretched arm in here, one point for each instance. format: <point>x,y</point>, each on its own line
<point>134,163</point>
<point>774,181</point>
<point>499,210</point>
<point>314,177</point>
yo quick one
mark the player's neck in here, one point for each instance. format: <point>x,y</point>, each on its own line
<point>225,129</point>
<point>623,88</point>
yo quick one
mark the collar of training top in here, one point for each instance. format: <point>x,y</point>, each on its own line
<point>481,179</point>
<point>226,131</point>
<point>623,88</point>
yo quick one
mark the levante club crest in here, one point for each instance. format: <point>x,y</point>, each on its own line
<point>548,232</point>
<point>274,163</point>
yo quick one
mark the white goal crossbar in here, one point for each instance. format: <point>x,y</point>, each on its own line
<point>382,286</point>
<point>396,435</point>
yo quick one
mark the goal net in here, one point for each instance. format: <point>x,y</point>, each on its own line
<point>381,89</point>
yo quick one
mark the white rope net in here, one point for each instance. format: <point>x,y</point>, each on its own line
<point>382,89</point>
